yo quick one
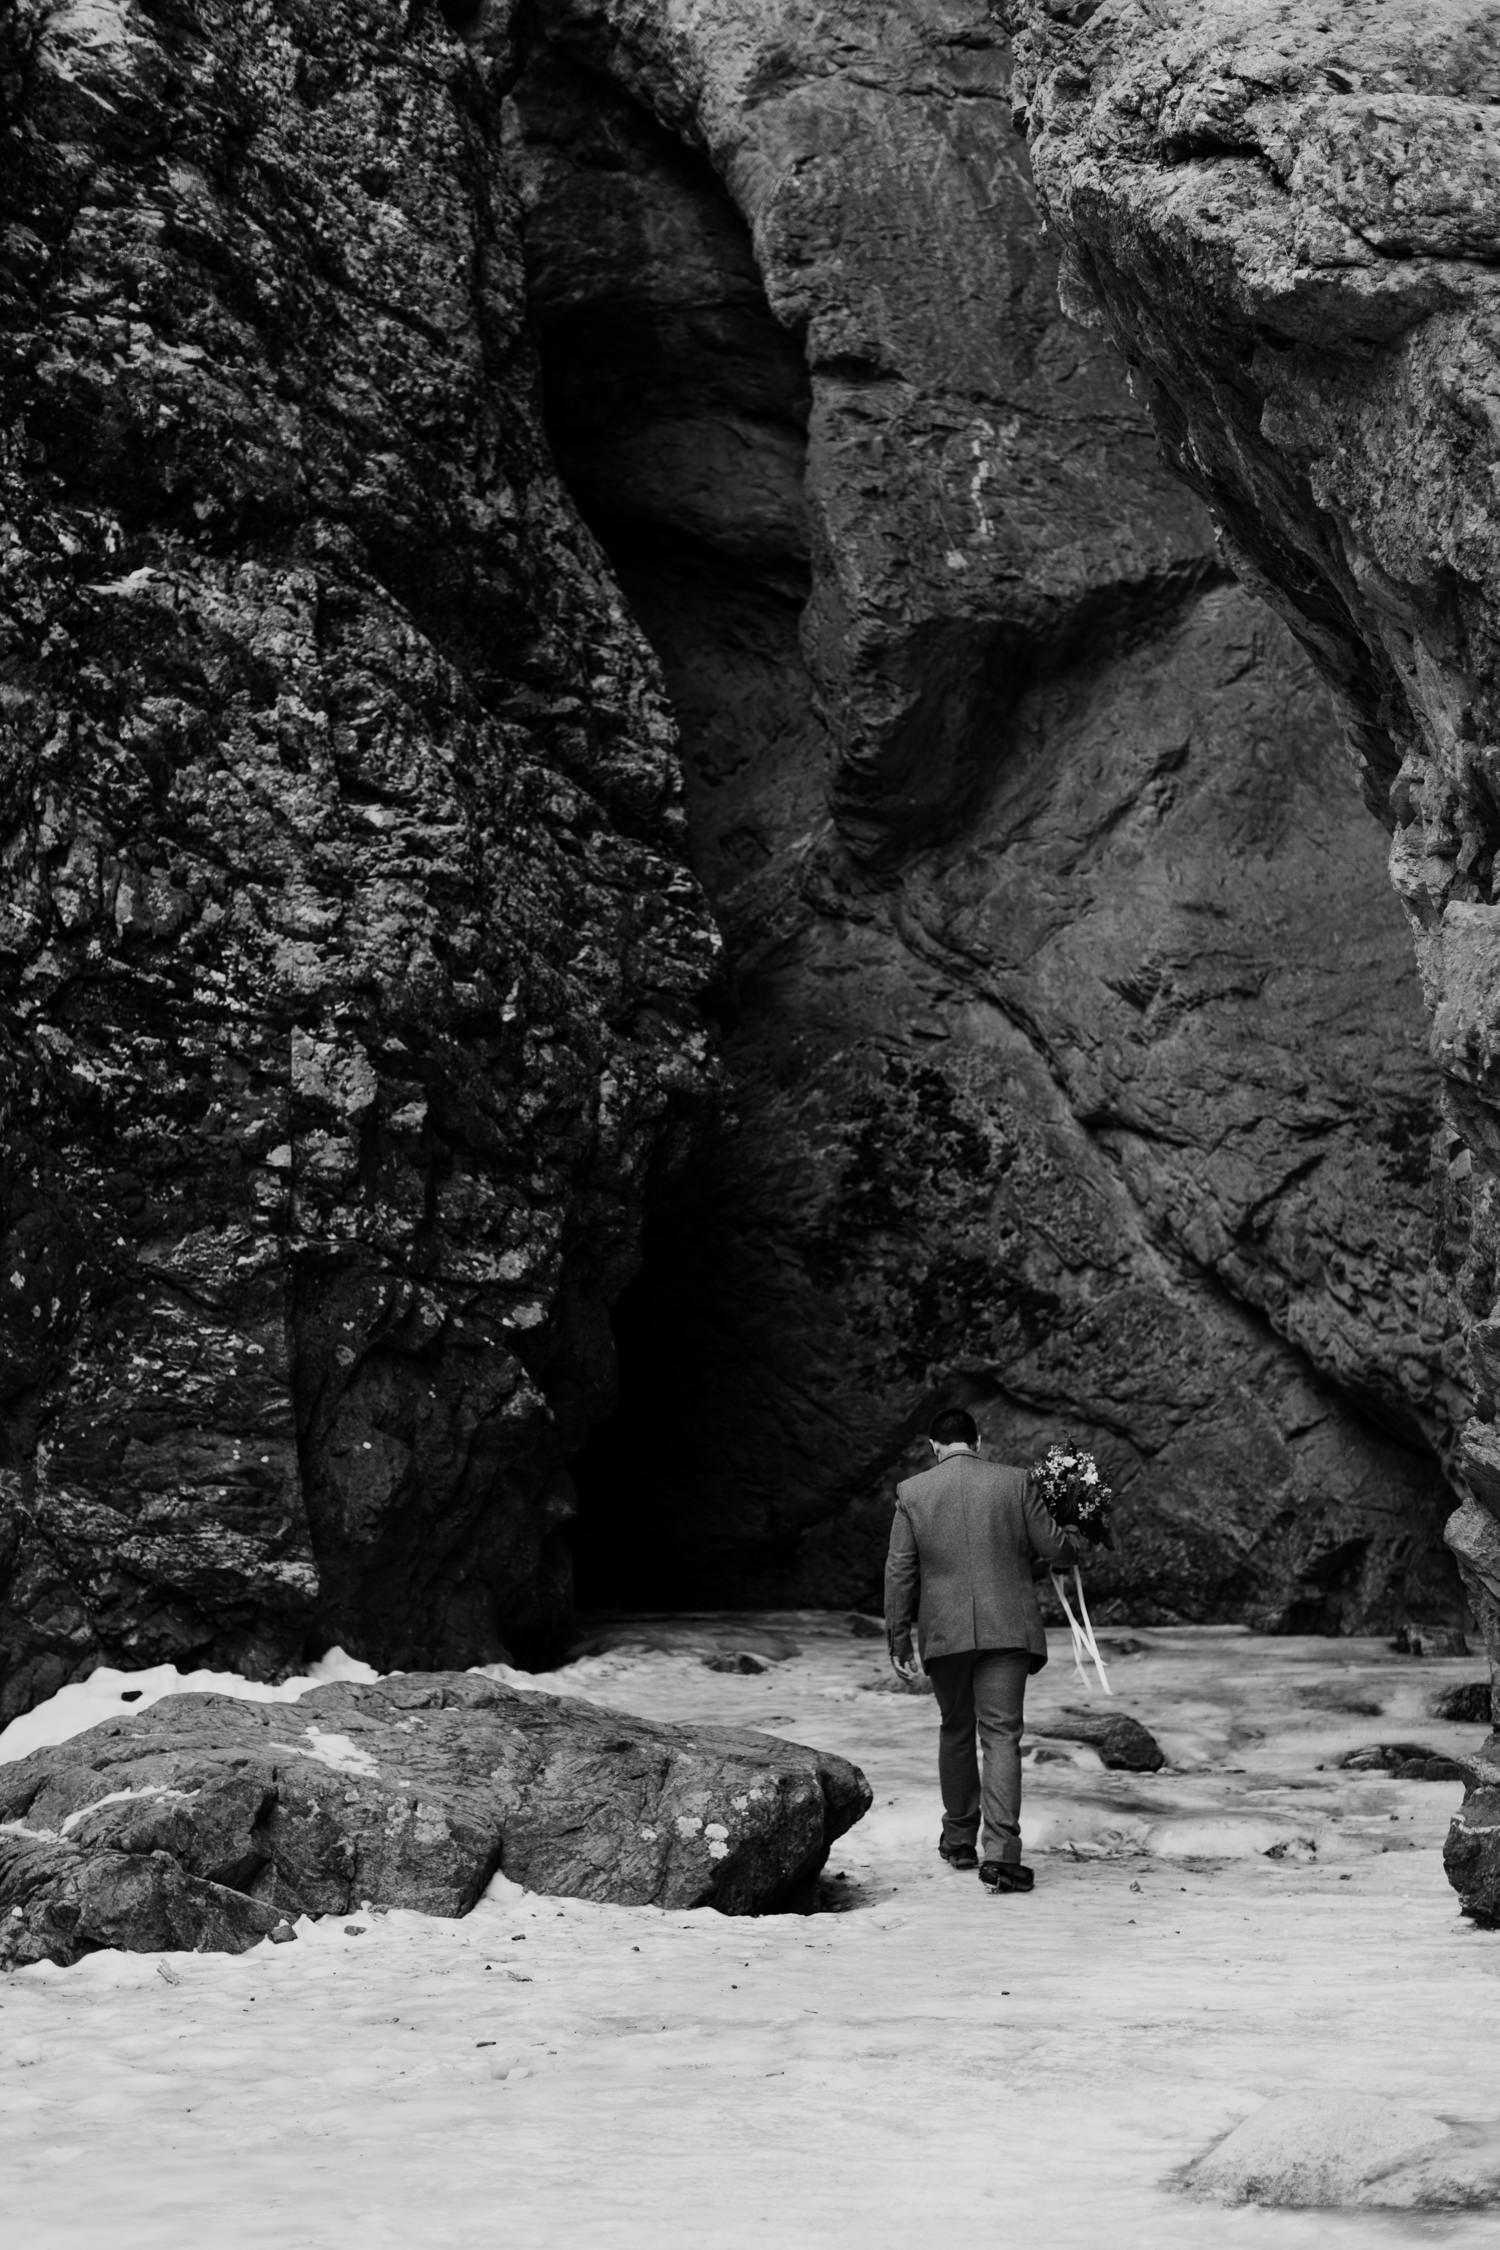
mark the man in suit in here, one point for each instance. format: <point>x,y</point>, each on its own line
<point>967,1538</point>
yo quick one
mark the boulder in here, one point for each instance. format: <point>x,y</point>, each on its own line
<point>1349,1700</point>
<point>1405,1761</point>
<point>1471,1849</point>
<point>1315,2150</point>
<point>1122,1742</point>
<point>1429,1640</point>
<point>1467,1705</point>
<point>206,1820</point>
<point>1075,1056</point>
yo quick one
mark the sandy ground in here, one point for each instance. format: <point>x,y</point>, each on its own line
<point>929,2061</point>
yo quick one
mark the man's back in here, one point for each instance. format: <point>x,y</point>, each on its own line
<point>966,1534</point>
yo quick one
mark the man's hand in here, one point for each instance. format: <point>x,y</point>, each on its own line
<point>904,1656</point>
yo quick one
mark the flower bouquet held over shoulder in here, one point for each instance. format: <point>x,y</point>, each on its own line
<point>1071,1488</point>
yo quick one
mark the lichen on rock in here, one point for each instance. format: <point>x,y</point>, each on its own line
<point>201,1823</point>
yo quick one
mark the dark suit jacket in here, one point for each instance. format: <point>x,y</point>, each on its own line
<point>965,1536</point>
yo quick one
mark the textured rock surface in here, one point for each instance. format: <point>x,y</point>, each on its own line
<point>1407,1761</point>
<point>1287,218</point>
<point>1316,2150</point>
<point>1471,1851</point>
<point>1121,1741</point>
<point>63,1901</point>
<point>1469,1703</point>
<point>348,965</point>
<point>1076,1052</point>
<point>411,1792</point>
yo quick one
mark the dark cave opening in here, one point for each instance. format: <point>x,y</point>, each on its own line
<point>676,408</point>
<point>624,1557</point>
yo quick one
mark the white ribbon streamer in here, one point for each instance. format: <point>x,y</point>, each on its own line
<point>1084,1643</point>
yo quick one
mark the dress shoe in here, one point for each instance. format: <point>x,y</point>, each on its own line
<point>1005,1875</point>
<point>959,1855</point>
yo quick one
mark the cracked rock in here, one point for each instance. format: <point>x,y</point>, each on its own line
<point>206,1822</point>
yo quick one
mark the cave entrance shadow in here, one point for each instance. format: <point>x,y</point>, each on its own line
<point>624,1556</point>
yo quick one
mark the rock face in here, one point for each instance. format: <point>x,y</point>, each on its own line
<point>349,968</point>
<point>1075,1055</point>
<point>1471,1849</point>
<point>1287,219</point>
<point>353,976</point>
<point>213,1818</point>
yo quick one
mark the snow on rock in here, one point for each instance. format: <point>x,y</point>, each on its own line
<point>339,1752</point>
<point>416,1790</point>
<point>1319,2150</point>
<point>110,1693</point>
<point>1314,2149</point>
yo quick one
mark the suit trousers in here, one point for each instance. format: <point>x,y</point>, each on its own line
<point>983,1688</point>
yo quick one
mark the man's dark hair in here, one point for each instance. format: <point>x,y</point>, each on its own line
<point>953,1427</point>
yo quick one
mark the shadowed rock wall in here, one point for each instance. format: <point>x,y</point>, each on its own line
<point>349,968</point>
<point>353,978</point>
<point>1075,1051</point>
<point>1286,217</point>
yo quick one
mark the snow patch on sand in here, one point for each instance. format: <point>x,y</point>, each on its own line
<point>639,2080</point>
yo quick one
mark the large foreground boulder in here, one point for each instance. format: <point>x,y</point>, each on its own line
<point>205,1820</point>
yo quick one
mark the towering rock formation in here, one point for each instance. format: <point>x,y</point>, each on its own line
<point>1287,217</point>
<point>350,973</point>
<point>1075,1051</point>
<point>354,986</point>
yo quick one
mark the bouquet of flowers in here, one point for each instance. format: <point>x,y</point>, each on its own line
<point>1068,1483</point>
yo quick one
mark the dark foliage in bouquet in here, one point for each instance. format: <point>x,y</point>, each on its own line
<point>1071,1487</point>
